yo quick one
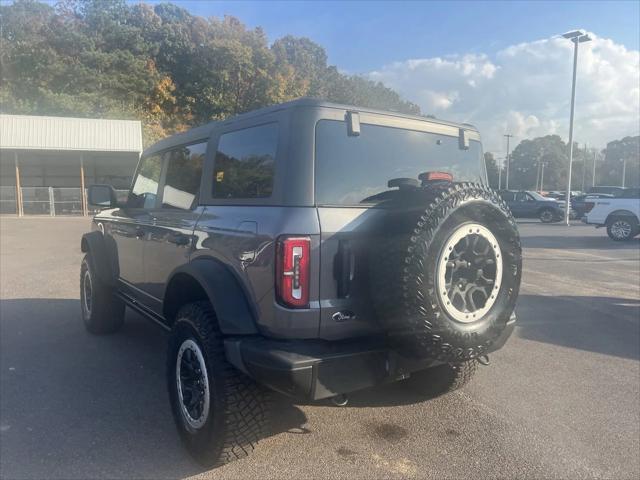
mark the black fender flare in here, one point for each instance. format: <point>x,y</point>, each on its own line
<point>224,291</point>
<point>95,244</point>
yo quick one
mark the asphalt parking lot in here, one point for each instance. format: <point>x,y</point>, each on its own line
<point>561,400</point>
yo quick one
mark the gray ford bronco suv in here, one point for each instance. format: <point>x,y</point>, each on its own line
<point>309,248</point>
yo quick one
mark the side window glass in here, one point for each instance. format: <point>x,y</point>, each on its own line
<point>507,196</point>
<point>145,187</point>
<point>184,170</point>
<point>521,197</point>
<point>245,163</point>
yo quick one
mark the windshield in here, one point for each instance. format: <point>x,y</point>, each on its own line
<point>355,170</point>
<point>537,196</point>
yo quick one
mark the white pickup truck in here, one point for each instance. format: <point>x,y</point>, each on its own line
<point>621,215</point>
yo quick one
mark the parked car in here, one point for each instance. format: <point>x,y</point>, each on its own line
<point>620,215</point>
<point>309,248</point>
<point>580,203</point>
<point>529,204</point>
<point>610,190</point>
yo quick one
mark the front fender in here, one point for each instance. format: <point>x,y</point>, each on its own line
<point>224,291</point>
<point>95,244</point>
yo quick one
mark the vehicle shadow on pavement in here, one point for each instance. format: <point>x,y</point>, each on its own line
<point>74,405</point>
<point>570,321</point>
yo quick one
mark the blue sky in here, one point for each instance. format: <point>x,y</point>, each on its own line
<point>363,36</point>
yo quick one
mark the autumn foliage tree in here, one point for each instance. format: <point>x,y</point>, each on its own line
<point>160,64</point>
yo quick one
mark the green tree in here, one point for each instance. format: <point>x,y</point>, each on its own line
<point>492,169</point>
<point>160,64</point>
<point>619,153</point>
<point>529,156</point>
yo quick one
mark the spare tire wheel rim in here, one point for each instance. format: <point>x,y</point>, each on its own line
<point>469,272</point>
<point>192,382</point>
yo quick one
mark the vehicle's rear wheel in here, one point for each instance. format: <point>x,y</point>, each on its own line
<point>547,215</point>
<point>220,413</point>
<point>621,229</point>
<point>102,311</point>
<point>442,379</point>
<point>446,290</point>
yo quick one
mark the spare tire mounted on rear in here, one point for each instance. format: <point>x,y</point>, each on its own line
<point>447,289</point>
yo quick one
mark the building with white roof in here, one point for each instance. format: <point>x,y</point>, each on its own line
<point>46,163</point>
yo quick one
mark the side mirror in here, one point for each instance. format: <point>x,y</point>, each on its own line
<point>103,196</point>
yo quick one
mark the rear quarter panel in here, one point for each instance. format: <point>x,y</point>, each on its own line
<point>243,238</point>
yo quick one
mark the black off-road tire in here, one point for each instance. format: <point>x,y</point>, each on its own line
<point>617,228</point>
<point>404,269</point>
<point>102,312</point>
<point>238,407</point>
<point>442,379</point>
<point>546,215</point>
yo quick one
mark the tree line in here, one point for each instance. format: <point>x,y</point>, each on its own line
<point>173,70</point>
<point>160,64</point>
<point>542,164</point>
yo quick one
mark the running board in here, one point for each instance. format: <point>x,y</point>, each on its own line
<point>142,310</point>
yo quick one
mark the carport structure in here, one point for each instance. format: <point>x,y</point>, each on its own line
<point>47,162</point>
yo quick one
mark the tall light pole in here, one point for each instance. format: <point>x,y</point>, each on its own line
<point>507,172</point>
<point>577,37</point>
<point>500,174</point>
<point>593,176</point>
<point>624,170</point>
<point>584,166</point>
<point>542,177</point>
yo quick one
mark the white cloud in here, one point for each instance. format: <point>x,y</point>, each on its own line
<point>525,90</point>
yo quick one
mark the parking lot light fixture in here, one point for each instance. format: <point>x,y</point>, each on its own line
<point>577,37</point>
<point>508,137</point>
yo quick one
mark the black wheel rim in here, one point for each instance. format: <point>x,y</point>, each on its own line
<point>193,385</point>
<point>469,272</point>
<point>87,293</point>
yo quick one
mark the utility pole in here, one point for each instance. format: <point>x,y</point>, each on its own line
<point>624,170</point>
<point>507,172</point>
<point>593,176</point>
<point>584,166</point>
<point>542,178</point>
<point>577,37</point>
<point>500,174</point>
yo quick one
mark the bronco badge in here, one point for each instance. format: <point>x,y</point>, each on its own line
<point>344,316</point>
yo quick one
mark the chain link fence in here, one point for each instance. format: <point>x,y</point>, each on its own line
<point>53,201</point>
<point>36,201</point>
<point>67,201</point>
<point>8,202</point>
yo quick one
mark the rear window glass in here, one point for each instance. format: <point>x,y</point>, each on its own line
<point>245,163</point>
<point>355,170</point>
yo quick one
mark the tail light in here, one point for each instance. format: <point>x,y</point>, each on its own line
<point>292,271</point>
<point>435,176</point>
<point>588,206</point>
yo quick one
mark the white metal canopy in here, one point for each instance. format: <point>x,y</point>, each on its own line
<point>23,132</point>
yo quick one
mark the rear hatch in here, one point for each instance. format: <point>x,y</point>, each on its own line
<point>355,159</point>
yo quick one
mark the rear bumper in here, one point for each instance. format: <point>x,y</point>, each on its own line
<point>316,369</point>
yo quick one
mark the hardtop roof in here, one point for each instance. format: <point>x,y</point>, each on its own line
<point>204,131</point>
